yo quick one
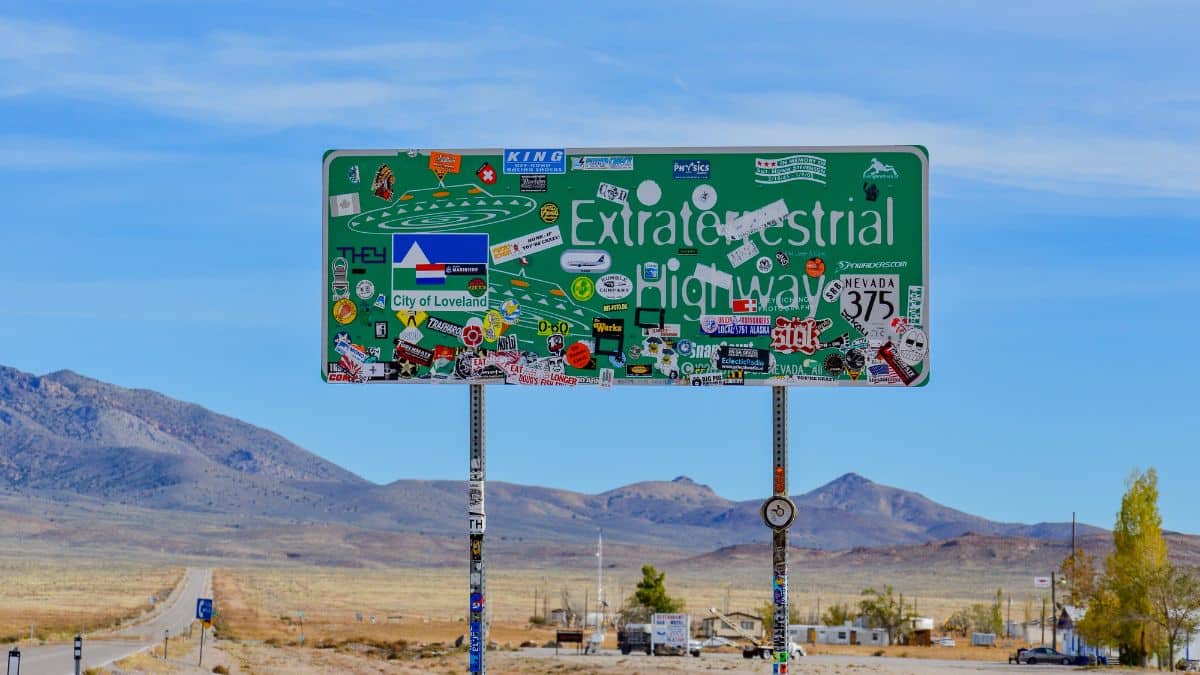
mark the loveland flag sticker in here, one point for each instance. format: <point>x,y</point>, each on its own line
<point>442,163</point>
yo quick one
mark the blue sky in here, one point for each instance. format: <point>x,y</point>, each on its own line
<point>161,181</point>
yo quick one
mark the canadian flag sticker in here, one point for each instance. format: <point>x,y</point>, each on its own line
<point>741,305</point>
<point>486,174</point>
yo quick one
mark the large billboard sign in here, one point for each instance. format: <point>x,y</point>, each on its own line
<point>600,266</point>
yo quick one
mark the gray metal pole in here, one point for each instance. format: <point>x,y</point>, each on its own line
<point>477,521</point>
<point>201,661</point>
<point>166,636</point>
<point>779,538</point>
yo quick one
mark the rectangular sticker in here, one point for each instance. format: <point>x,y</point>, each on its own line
<point>750,359</point>
<point>535,160</point>
<point>447,272</point>
<point>690,169</point>
<point>613,193</point>
<point>604,163</point>
<point>752,222</point>
<point>870,298</point>
<point>787,169</point>
<point>533,182</point>
<point>526,245</point>
<point>742,253</point>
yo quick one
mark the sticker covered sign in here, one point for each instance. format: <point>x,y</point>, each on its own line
<point>746,266</point>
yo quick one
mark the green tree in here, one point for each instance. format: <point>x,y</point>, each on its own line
<point>838,614</point>
<point>996,617</point>
<point>1175,604</point>
<point>1078,569</point>
<point>651,597</point>
<point>959,622</point>
<point>883,610</point>
<point>1119,611</point>
<point>766,612</point>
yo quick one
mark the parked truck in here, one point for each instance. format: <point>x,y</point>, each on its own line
<point>634,637</point>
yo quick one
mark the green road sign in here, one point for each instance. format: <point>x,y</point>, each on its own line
<point>697,266</point>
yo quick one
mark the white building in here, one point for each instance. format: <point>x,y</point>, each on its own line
<point>836,635</point>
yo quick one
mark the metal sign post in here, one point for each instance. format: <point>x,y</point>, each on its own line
<point>78,652</point>
<point>477,522</point>
<point>779,538</point>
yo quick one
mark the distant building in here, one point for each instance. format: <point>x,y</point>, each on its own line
<point>558,617</point>
<point>714,627</point>
<point>837,635</point>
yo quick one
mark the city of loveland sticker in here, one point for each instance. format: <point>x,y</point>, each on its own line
<point>601,266</point>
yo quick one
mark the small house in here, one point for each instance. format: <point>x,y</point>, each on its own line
<point>715,627</point>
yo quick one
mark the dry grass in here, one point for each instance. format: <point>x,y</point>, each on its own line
<point>63,596</point>
<point>423,605</point>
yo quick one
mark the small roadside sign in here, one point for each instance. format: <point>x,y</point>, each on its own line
<point>1041,582</point>
<point>204,609</point>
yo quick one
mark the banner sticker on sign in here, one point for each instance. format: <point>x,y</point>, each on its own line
<point>604,267</point>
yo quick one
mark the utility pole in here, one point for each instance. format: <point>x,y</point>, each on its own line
<point>1054,611</point>
<point>1043,622</point>
<point>1008,626</point>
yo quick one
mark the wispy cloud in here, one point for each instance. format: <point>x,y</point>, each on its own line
<point>437,91</point>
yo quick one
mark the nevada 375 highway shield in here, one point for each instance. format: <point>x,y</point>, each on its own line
<point>783,266</point>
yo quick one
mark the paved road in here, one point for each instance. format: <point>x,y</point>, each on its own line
<point>180,608</point>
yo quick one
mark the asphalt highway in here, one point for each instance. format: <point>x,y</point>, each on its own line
<point>177,613</point>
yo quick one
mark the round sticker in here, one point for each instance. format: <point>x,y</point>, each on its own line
<point>511,311</point>
<point>834,364</point>
<point>765,265</point>
<point>704,197</point>
<point>548,213</point>
<point>364,289</point>
<point>815,267</point>
<point>554,344</point>
<point>583,288</point>
<point>914,345</point>
<point>782,258</point>
<point>477,287</point>
<point>684,347</point>
<point>578,355</point>
<point>344,311</point>
<point>856,359</point>
<point>778,512</point>
<point>472,333</point>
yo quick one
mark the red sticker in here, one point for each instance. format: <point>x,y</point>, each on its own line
<point>578,355</point>
<point>472,335</point>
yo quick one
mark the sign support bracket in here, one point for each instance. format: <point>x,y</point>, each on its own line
<point>478,467</point>
<point>779,537</point>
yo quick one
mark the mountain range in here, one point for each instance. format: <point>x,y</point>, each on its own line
<point>78,453</point>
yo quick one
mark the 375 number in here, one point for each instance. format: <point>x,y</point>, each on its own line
<point>869,306</point>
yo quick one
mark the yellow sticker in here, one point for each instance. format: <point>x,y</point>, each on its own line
<point>345,311</point>
<point>410,319</point>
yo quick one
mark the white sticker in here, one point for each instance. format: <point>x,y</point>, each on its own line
<point>411,335</point>
<point>613,193</point>
<point>614,286</point>
<point>870,298</point>
<point>526,245</point>
<point>364,289</point>
<point>704,197</point>
<point>755,221</point>
<point>714,276</point>
<point>606,378</point>
<point>742,253</point>
<point>475,498</point>
<point>914,346</point>
<point>476,524</point>
<point>765,265</point>
<point>586,261</point>
<point>833,290</point>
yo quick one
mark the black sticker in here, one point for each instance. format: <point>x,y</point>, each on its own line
<point>656,323</point>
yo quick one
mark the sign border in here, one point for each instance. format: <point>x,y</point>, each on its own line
<point>920,151</point>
